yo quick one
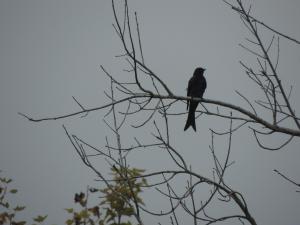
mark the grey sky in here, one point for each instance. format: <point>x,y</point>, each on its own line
<point>52,50</point>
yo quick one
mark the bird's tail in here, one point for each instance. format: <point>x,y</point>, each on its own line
<point>190,120</point>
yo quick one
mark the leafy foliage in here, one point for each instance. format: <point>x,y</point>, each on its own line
<point>119,198</point>
<point>7,211</point>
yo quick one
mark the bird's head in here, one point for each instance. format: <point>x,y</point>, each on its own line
<point>199,71</point>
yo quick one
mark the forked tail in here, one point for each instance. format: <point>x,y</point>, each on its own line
<point>190,120</point>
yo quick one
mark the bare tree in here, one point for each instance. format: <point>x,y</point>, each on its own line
<point>275,97</point>
<point>146,93</point>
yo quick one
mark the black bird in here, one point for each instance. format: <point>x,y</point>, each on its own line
<point>196,88</point>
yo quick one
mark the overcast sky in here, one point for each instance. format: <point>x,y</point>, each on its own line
<point>52,50</point>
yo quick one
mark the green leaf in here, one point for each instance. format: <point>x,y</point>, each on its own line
<point>19,208</point>
<point>40,219</point>
<point>128,211</point>
<point>5,180</point>
<point>95,210</point>
<point>8,181</point>
<point>6,205</point>
<point>69,222</point>
<point>69,210</point>
<point>84,214</point>
<point>13,191</point>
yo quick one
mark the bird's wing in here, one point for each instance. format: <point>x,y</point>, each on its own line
<point>203,86</point>
<point>189,91</point>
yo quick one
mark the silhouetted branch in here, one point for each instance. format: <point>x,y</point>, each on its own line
<point>287,179</point>
<point>241,110</point>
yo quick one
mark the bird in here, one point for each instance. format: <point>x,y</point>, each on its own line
<point>196,87</point>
